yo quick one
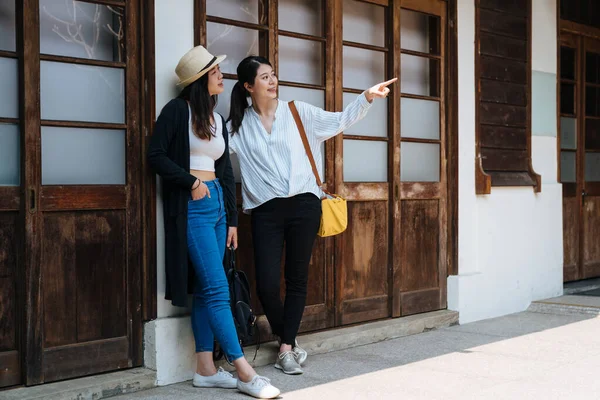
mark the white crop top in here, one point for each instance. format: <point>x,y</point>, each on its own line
<point>204,153</point>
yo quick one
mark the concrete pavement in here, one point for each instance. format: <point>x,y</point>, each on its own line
<point>529,355</point>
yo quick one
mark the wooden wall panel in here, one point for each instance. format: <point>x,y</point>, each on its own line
<point>84,265</point>
<point>503,70</point>
<point>571,238</point>
<point>10,357</point>
<point>420,244</point>
<point>363,270</point>
<point>502,137</point>
<point>591,236</point>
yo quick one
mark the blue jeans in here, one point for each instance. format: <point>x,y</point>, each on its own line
<point>206,236</point>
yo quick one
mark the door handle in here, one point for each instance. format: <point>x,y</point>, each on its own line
<point>32,200</point>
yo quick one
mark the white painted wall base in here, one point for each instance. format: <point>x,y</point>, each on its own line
<point>169,349</point>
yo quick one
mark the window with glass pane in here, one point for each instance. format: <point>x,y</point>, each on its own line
<point>568,133</point>
<point>363,23</point>
<point>82,93</point>
<point>9,88</point>
<point>375,124</point>
<point>238,10</point>
<point>78,156</point>
<point>419,32</point>
<point>362,68</point>
<point>315,97</point>
<point>300,61</point>
<point>592,166</point>
<point>237,43</point>
<point>568,171</point>
<point>420,119</point>
<point>592,101</point>
<point>567,63</point>
<point>419,162</point>
<point>302,16</point>
<point>7,25</point>
<point>10,150</point>
<point>365,161</point>
<point>82,29</point>
<point>567,98</point>
<point>419,75</point>
<point>592,68</point>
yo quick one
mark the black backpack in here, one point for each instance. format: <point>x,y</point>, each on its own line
<point>240,300</point>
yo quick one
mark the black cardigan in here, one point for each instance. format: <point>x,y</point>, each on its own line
<point>169,157</point>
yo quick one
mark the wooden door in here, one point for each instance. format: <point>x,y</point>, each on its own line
<point>392,259</point>
<point>81,172</point>
<point>11,233</point>
<point>579,155</point>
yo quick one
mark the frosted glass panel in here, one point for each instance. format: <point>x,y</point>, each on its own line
<point>414,31</point>
<point>10,151</point>
<point>80,29</point>
<point>7,25</point>
<point>9,88</point>
<point>82,93</point>
<point>363,23</point>
<point>75,156</point>
<point>224,100</point>
<point>314,97</point>
<point>420,118</point>
<point>567,166</point>
<point>239,10</point>
<point>592,167</point>
<point>568,133</point>
<point>415,75</point>
<point>419,162</point>
<point>375,122</point>
<point>236,43</point>
<point>300,60</point>
<point>365,161</point>
<point>304,16</point>
<point>363,68</point>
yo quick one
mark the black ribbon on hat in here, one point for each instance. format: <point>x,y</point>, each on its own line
<point>211,62</point>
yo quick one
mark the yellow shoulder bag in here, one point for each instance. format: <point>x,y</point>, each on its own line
<point>334,218</point>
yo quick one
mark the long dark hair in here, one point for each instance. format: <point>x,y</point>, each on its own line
<point>246,72</point>
<point>202,105</point>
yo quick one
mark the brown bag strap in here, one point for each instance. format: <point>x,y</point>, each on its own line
<point>305,142</point>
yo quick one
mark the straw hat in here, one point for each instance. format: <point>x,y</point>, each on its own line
<point>194,64</point>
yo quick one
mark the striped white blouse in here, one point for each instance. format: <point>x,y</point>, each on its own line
<point>276,165</point>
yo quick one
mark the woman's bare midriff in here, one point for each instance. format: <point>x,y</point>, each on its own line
<point>203,175</point>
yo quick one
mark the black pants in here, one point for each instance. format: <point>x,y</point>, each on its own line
<point>294,221</point>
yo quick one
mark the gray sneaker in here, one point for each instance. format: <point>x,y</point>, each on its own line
<point>301,354</point>
<point>286,361</point>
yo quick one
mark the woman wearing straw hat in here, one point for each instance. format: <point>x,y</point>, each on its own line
<point>190,151</point>
<point>280,191</point>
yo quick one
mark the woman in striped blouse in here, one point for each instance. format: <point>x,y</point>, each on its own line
<point>280,192</point>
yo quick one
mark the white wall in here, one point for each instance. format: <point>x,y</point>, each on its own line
<point>168,341</point>
<point>510,242</point>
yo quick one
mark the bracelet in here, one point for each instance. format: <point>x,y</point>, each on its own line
<point>196,187</point>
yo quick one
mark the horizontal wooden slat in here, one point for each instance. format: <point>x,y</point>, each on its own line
<point>10,372</point>
<point>367,191</point>
<point>82,124</point>
<point>503,92</point>
<point>501,114</point>
<point>8,54</point>
<point>504,47</point>
<point>120,3</point>
<point>86,358</point>
<point>503,70</point>
<point>417,140</point>
<point>299,35</point>
<point>574,27</point>
<point>511,178</point>
<point>503,24</point>
<point>82,61</point>
<point>421,54</point>
<point>239,24</point>
<point>503,137</point>
<point>429,7</point>
<point>569,189</point>
<point>367,138</point>
<point>515,7</point>
<point>378,2</point>
<point>10,198</point>
<point>365,46</point>
<point>57,198</point>
<point>364,309</point>
<point>592,188</point>
<point>420,301</point>
<point>420,190</point>
<point>4,120</point>
<point>302,85</point>
<point>419,97</point>
<point>504,160</point>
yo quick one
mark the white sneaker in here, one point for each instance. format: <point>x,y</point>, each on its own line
<point>259,387</point>
<point>222,379</point>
